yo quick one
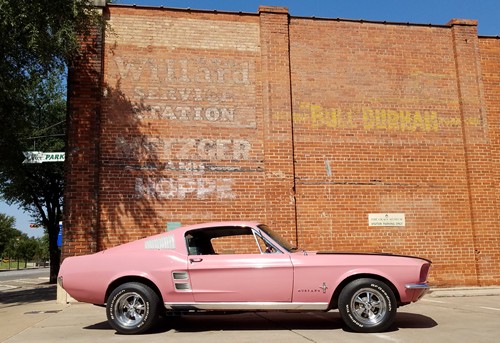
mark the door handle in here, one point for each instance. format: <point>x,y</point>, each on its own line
<point>198,259</point>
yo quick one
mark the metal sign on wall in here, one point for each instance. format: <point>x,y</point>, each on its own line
<point>386,219</point>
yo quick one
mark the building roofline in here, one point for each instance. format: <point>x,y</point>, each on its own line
<point>284,10</point>
<point>188,9</point>
<point>489,37</point>
<point>363,21</point>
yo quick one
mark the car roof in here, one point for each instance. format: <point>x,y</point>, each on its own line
<point>219,224</point>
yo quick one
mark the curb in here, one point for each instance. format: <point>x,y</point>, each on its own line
<point>463,292</point>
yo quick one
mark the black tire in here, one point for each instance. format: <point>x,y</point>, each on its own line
<point>132,308</point>
<point>367,305</point>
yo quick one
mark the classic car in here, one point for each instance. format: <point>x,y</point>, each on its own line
<point>240,266</point>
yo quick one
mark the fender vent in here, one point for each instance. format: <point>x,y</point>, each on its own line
<point>180,275</point>
<point>183,286</point>
<point>181,281</point>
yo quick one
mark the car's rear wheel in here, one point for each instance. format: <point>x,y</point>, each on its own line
<point>367,305</point>
<point>132,308</point>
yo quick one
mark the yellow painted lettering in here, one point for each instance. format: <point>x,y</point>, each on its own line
<point>431,121</point>
<point>332,119</point>
<point>392,120</point>
<point>317,115</point>
<point>380,119</point>
<point>417,121</point>
<point>368,119</point>
<point>405,120</point>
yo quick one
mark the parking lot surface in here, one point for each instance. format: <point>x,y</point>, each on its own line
<point>29,313</point>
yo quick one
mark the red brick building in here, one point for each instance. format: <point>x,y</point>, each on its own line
<point>318,127</point>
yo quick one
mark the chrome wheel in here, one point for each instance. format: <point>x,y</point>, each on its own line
<point>369,306</point>
<point>129,309</point>
<point>132,308</point>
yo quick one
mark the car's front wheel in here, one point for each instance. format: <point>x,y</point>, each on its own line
<point>132,308</point>
<point>367,305</point>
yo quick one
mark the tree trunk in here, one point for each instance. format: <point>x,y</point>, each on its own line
<point>54,251</point>
<point>55,257</point>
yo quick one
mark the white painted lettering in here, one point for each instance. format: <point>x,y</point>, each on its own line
<point>168,71</point>
<point>241,149</point>
<point>205,149</point>
<point>186,113</point>
<point>185,187</point>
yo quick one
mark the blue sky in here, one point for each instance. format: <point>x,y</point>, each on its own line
<point>438,12</point>
<point>23,220</point>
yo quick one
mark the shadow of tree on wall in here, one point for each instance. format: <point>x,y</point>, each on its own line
<point>177,135</point>
<point>107,150</point>
<point>128,153</point>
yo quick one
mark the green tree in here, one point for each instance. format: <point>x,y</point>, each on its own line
<point>38,41</point>
<point>42,250</point>
<point>38,188</point>
<point>27,247</point>
<point>12,246</point>
<point>7,231</point>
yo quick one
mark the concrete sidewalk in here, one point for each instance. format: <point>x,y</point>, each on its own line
<point>31,317</point>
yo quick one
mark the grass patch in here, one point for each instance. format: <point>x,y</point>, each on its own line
<point>11,264</point>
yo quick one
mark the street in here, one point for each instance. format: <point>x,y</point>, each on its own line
<point>458,316</point>
<point>28,274</point>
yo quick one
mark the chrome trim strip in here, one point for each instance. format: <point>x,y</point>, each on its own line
<point>247,306</point>
<point>417,286</point>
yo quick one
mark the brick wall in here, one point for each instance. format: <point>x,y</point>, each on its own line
<point>488,238</point>
<point>390,119</point>
<point>81,198</point>
<point>182,125</point>
<point>308,125</point>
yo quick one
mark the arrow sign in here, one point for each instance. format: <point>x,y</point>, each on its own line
<point>40,157</point>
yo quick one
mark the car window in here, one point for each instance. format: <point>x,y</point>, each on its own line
<point>199,245</point>
<point>228,240</point>
<point>277,238</point>
<point>243,244</point>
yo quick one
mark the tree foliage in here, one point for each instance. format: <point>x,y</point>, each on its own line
<point>18,246</point>
<point>7,230</point>
<point>41,34</point>
<point>39,38</point>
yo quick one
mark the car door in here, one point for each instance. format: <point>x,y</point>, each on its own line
<point>231,276</point>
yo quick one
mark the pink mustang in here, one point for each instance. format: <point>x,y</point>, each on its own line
<point>240,266</point>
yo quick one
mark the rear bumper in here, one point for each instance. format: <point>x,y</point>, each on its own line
<point>423,285</point>
<point>416,290</point>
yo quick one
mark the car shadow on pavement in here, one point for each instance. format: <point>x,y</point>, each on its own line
<point>257,321</point>
<point>413,321</point>
<point>262,321</point>
<point>16,296</point>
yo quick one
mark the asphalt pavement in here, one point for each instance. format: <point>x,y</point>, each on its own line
<point>29,313</point>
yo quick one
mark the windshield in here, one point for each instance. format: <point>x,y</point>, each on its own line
<point>278,239</point>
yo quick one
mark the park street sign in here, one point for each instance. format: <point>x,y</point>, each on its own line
<point>41,157</point>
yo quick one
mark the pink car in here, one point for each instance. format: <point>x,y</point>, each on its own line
<point>240,266</point>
